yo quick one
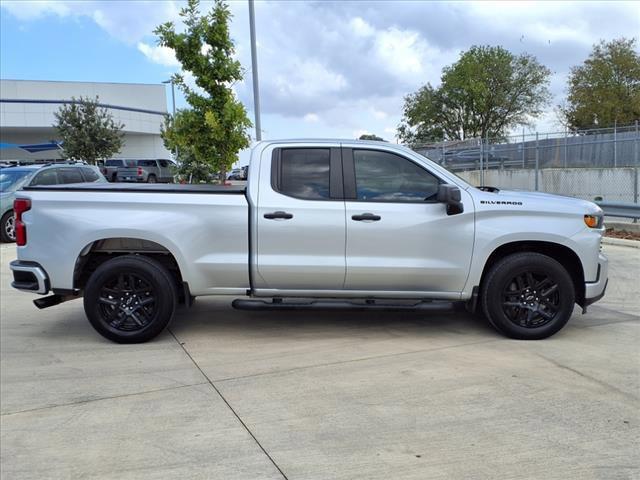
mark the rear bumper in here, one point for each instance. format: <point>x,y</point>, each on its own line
<point>594,291</point>
<point>29,277</point>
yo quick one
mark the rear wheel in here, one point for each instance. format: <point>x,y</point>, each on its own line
<point>8,227</point>
<point>130,299</point>
<point>528,296</point>
<point>151,179</point>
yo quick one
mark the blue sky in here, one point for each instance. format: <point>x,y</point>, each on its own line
<point>334,69</point>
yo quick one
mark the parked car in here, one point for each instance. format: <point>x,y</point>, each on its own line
<point>147,171</point>
<point>111,166</point>
<point>237,174</point>
<point>14,178</point>
<point>374,224</point>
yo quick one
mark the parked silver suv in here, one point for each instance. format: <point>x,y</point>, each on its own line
<point>14,178</point>
<point>150,171</point>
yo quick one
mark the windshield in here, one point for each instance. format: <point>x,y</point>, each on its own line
<point>11,180</point>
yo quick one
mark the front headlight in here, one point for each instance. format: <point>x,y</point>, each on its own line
<point>593,221</point>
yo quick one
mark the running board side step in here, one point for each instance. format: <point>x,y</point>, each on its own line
<point>280,304</point>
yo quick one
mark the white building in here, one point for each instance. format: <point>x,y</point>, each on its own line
<point>27,108</point>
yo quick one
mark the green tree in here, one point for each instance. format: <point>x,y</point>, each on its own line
<point>87,130</point>
<point>371,136</point>
<point>214,129</point>
<point>488,91</point>
<point>605,89</point>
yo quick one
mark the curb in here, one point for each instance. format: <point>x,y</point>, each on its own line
<point>620,242</point>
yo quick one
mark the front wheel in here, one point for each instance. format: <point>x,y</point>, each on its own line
<point>130,299</point>
<point>528,296</point>
<point>8,227</point>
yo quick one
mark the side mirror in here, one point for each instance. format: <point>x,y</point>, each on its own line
<point>451,196</point>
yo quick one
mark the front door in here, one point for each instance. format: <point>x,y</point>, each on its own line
<point>300,220</point>
<point>399,238</point>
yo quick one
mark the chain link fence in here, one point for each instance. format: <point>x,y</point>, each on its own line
<point>599,164</point>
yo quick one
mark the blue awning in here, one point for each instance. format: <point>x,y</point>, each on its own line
<point>33,148</point>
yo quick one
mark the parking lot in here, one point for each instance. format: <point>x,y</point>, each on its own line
<point>324,395</point>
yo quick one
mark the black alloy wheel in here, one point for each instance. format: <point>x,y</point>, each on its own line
<point>531,299</point>
<point>527,296</point>
<point>130,298</point>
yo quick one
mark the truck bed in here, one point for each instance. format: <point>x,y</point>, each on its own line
<point>143,188</point>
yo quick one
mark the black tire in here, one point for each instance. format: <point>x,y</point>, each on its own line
<point>8,227</point>
<point>114,178</point>
<point>152,179</point>
<point>130,299</point>
<point>528,296</point>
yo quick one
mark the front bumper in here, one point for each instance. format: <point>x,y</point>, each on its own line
<point>29,277</point>
<point>594,291</point>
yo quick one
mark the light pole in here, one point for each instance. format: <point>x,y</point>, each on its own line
<point>173,104</point>
<point>254,70</point>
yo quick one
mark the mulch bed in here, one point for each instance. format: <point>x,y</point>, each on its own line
<point>622,234</point>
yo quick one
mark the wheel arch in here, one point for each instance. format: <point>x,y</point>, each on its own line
<point>97,252</point>
<point>564,255</point>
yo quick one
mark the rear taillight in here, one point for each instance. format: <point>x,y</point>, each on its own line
<point>21,205</point>
<point>139,171</point>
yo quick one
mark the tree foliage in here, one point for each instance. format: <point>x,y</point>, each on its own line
<point>214,129</point>
<point>605,89</point>
<point>488,91</point>
<point>87,130</point>
<point>371,136</point>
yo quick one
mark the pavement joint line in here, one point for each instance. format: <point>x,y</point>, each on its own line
<point>588,377</point>
<point>362,359</point>
<point>83,402</point>
<point>210,382</point>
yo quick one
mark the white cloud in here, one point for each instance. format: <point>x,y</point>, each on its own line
<point>159,54</point>
<point>309,78</point>
<point>379,114</point>
<point>361,27</point>
<point>36,9</point>
<point>311,118</point>
<point>128,21</point>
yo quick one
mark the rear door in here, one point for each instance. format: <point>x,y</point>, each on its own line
<point>300,238</point>
<point>399,238</point>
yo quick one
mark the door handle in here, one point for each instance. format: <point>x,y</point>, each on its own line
<point>278,215</point>
<point>366,217</point>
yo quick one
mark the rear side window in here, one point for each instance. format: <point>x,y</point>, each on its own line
<point>305,173</point>
<point>69,175</point>
<point>90,175</point>
<point>147,163</point>
<point>385,177</point>
<point>46,177</point>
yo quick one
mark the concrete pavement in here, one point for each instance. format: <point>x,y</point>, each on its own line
<point>337,395</point>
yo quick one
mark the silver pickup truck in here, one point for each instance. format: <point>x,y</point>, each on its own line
<point>321,224</point>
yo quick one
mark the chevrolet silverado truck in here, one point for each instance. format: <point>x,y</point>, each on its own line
<point>321,224</point>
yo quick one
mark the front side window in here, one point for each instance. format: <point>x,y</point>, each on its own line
<point>46,177</point>
<point>305,173</point>
<point>385,177</point>
<point>70,175</point>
